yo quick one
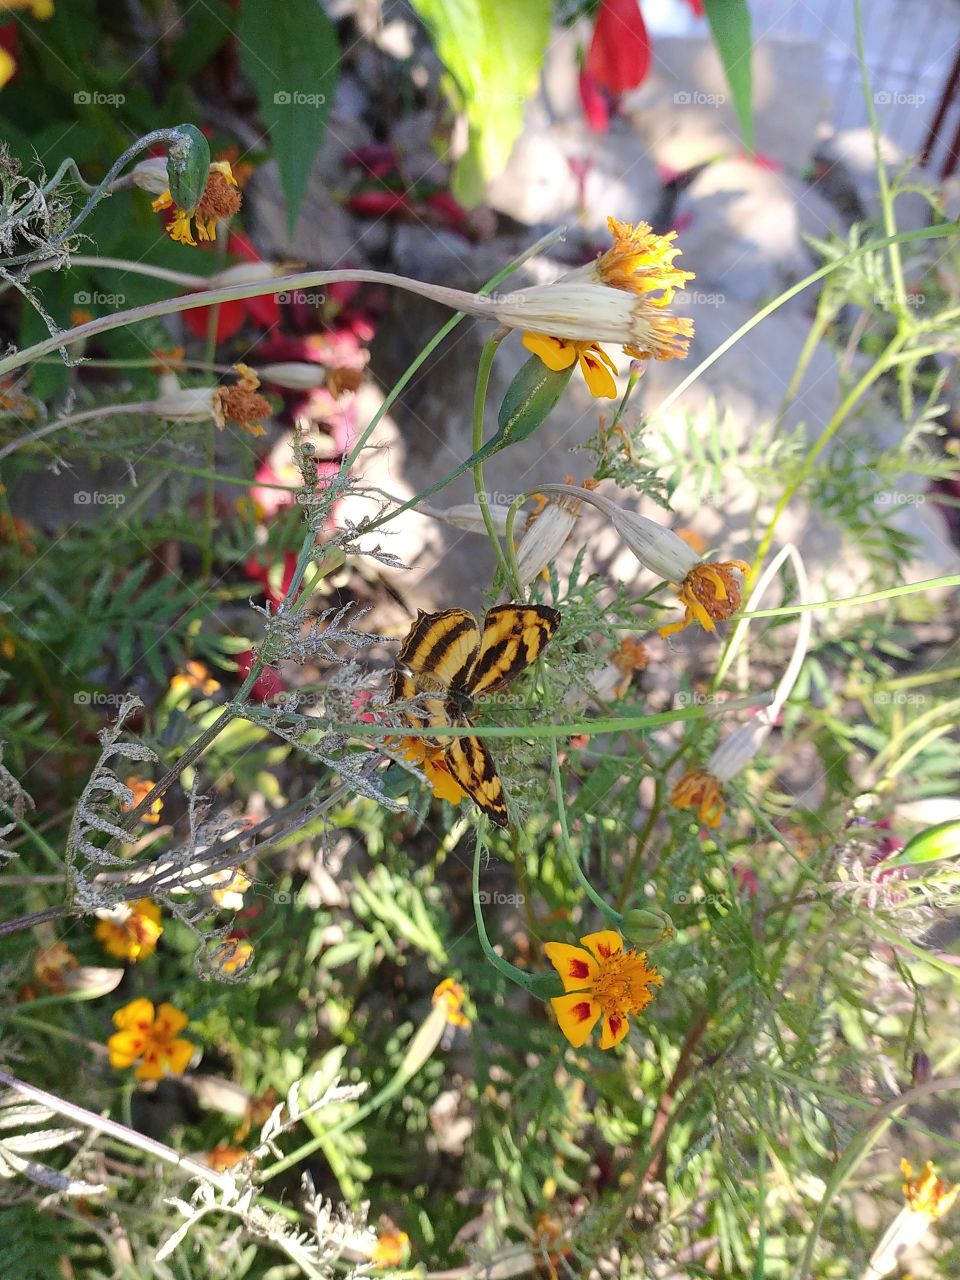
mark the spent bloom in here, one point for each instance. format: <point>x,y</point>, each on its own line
<point>220,200</point>
<point>600,980</point>
<point>51,966</point>
<point>450,995</point>
<point>150,1038</point>
<point>130,930</point>
<point>547,530</point>
<point>621,298</point>
<point>928,1197</point>
<point>700,790</point>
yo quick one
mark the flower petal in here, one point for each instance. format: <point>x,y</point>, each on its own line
<point>576,967</point>
<point>577,1016</point>
<point>177,1056</point>
<point>134,1016</point>
<point>125,1047</point>
<point>603,944</point>
<point>554,352</point>
<point>170,1020</point>
<point>615,1027</point>
<point>599,379</point>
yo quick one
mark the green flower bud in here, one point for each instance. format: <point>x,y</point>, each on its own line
<point>941,841</point>
<point>647,927</point>
<point>188,167</point>
<point>529,399</point>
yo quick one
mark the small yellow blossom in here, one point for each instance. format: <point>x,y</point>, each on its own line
<point>51,966</point>
<point>601,981</point>
<point>451,996</point>
<point>709,593</point>
<point>141,787</point>
<point>130,930</point>
<point>391,1249</point>
<point>197,678</point>
<point>699,790</point>
<point>151,1038</point>
<point>220,200</point>
<point>559,353</point>
<point>927,1193</point>
<point>430,759</point>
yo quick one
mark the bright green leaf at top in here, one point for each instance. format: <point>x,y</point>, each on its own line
<point>290,55</point>
<point>730,27</point>
<point>493,50</point>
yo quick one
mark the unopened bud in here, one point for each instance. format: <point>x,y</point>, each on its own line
<point>151,175</point>
<point>528,400</point>
<point>294,375</point>
<point>188,167</point>
<point>647,927</point>
<point>185,404</point>
<point>921,1070</point>
<point>932,845</point>
<point>468,516</point>
<point>544,537</point>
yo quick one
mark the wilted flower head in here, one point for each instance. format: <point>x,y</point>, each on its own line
<point>52,964</point>
<point>241,404</point>
<point>450,995</point>
<point>699,790</point>
<point>709,593</point>
<point>220,200</point>
<point>546,532</point>
<point>928,1197</point>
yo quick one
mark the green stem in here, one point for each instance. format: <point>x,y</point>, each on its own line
<point>534,985</point>
<point>479,403</point>
<point>613,916</point>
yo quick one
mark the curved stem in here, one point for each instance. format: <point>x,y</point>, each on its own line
<point>479,402</point>
<point>613,916</point>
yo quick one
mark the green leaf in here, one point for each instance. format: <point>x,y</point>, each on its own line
<point>941,841</point>
<point>730,26</point>
<point>493,54</point>
<point>289,53</point>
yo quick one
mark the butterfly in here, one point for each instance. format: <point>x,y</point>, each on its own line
<point>448,658</point>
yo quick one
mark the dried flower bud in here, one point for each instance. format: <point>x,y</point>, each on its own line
<point>545,536</point>
<point>150,175</point>
<point>295,375</point>
<point>185,404</point>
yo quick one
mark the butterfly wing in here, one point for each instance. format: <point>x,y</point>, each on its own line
<point>436,652</point>
<point>513,637</point>
<point>472,766</point>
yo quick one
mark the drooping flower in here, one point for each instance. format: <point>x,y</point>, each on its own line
<point>451,996</point>
<point>430,759</point>
<point>151,1038</point>
<point>621,298</point>
<point>603,981</point>
<point>547,529</point>
<point>699,790</point>
<point>141,787</point>
<point>130,930</point>
<point>220,200</point>
<point>558,353</point>
<point>709,594</point>
<point>391,1250</point>
<point>928,1197</point>
<point>195,679</point>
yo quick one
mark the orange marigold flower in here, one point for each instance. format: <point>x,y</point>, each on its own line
<point>559,353</point>
<point>196,677</point>
<point>391,1249</point>
<point>699,790</point>
<point>223,1156</point>
<point>220,200</point>
<point>430,759</point>
<point>709,594</point>
<point>240,404</point>
<point>927,1193</point>
<point>451,996</point>
<point>51,966</point>
<point>130,930</point>
<point>603,981</point>
<point>631,656</point>
<point>640,261</point>
<point>151,1038</point>
<point>141,787</point>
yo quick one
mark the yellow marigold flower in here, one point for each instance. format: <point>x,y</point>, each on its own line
<point>559,353</point>
<point>51,966</point>
<point>603,981</point>
<point>926,1193</point>
<point>640,261</point>
<point>240,404</point>
<point>430,759</point>
<point>130,931</point>
<point>39,9</point>
<point>141,787</point>
<point>150,1038</point>
<point>223,1156</point>
<point>391,1249</point>
<point>620,298</point>
<point>709,593</point>
<point>928,1198</point>
<point>699,790</point>
<point>232,955</point>
<point>196,677</point>
<point>451,996</point>
<point>220,200</point>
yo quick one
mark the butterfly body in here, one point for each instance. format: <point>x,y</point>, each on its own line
<point>449,664</point>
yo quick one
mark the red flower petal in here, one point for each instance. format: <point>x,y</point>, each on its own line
<point>619,55</point>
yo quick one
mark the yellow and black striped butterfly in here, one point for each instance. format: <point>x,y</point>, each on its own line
<point>448,656</point>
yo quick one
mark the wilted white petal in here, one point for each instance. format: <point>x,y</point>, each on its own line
<point>545,537</point>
